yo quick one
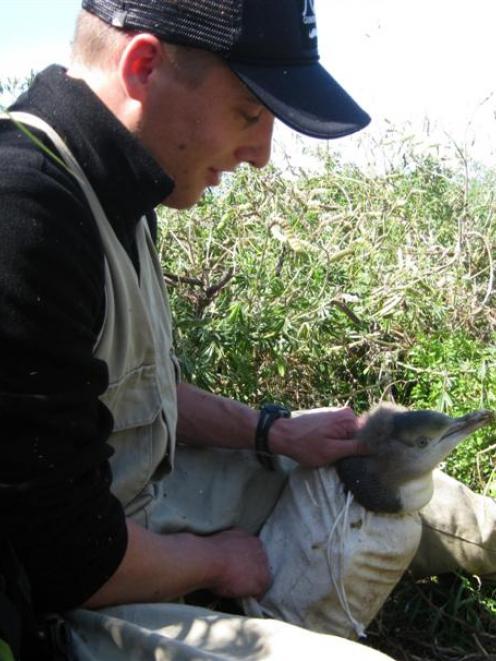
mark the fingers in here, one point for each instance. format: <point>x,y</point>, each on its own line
<point>330,451</point>
<point>323,437</point>
<point>344,419</point>
<point>339,449</point>
<point>245,568</point>
<point>362,449</point>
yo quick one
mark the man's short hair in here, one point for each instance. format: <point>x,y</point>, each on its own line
<point>98,45</point>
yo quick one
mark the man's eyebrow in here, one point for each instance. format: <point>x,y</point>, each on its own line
<point>251,98</point>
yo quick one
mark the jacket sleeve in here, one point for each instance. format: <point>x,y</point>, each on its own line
<point>55,501</point>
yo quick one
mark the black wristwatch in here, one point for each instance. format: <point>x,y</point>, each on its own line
<point>268,414</point>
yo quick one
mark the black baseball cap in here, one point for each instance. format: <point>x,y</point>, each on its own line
<point>271,45</point>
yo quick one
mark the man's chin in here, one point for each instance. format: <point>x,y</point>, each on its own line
<point>183,201</point>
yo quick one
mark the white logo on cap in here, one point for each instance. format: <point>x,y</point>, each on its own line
<point>309,18</point>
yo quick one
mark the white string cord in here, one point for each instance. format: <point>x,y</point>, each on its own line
<point>335,555</point>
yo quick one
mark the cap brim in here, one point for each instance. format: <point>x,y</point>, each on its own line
<point>305,97</point>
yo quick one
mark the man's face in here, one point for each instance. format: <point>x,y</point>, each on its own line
<point>198,132</point>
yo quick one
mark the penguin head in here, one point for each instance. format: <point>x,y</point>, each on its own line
<point>405,447</point>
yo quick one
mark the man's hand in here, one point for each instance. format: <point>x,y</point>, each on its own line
<point>243,569</point>
<point>158,568</point>
<point>317,438</point>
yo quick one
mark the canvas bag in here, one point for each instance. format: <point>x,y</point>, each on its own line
<point>333,562</point>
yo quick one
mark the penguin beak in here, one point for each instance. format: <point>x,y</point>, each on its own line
<point>455,431</point>
<point>461,427</point>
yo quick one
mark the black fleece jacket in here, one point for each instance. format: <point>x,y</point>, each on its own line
<point>67,527</point>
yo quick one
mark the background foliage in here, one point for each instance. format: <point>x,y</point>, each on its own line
<point>339,287</point>
<point>344,287</point>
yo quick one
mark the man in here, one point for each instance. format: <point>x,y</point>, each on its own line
<point>160,99</point>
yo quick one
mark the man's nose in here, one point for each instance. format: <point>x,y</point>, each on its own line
<point>257,151</point>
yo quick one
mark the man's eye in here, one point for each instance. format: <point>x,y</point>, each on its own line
<point>251,119</point>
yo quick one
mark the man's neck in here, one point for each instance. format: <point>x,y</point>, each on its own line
<point>106,85</point>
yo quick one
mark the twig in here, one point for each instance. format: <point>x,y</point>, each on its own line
<point>489,449</point>
<point>490,284</point>
<point>479,645</point>
<point>211,291</point>
<point>453,618</point>
<point>347,311</point>
<point>174,280</point>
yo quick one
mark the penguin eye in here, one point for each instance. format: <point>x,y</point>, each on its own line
<point>422,442</point>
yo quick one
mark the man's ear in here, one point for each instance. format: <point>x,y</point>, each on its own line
<point>140,59</point>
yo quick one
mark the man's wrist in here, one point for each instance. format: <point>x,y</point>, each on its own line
<point>279,436</point>
<point>269,415</point>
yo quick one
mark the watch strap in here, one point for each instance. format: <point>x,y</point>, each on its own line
<point>269,413</point>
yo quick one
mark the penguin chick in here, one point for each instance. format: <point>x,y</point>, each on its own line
<point>405,447</point>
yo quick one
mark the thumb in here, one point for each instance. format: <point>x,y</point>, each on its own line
<point>349,448</point>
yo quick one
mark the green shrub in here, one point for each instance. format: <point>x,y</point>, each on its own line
<point>341,287</point>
